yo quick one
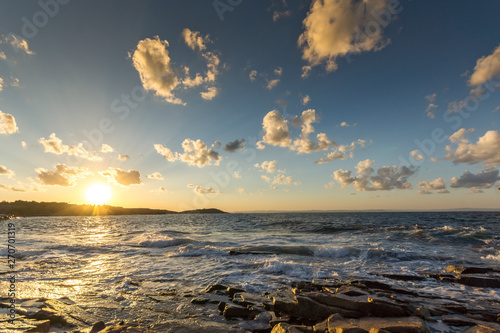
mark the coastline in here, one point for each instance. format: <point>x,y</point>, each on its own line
<point>318,305</point>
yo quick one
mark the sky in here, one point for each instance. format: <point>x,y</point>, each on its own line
<point>249,106</point>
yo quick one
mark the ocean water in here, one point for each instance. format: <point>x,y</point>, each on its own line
<point>110,265</point>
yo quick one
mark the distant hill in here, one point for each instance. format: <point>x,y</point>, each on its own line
<point>204,211</point>
<point>33,208</point>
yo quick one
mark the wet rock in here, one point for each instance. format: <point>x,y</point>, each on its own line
<point>456,320</point>
<point>40,326</point>
<point>99,326</point>
<point>232,311</point>
<point>479,281</point>
<point>242,252</point>
<point>369,324</point>
<point>215,287</point>
<point>231,291</point>
<point>423,313</point>
<point>382,308</point>
<point>455,308</point>
<point>286,328</point>
<point>221,307</point>
<point>119,328</point>
<point>200,300</point>
<point>245,299</point>
<point>52,316</point>
<point>308,308</point>
<point>482,329</point>
<point>468,269</point>
<point>403,277</point>
<point>327,283</point>
<point>255,326</point>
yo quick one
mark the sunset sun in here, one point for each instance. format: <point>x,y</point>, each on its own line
<point>98,194</point>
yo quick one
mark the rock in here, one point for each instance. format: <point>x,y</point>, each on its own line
<point>310,309</point>
<point>231,311</point>
<point>481,329</point>
<point>41,326</point>
<point>347,290</point>
<point>456,308</point>
<point>382,308</point>
<point>403,277</point>
<point>369,324</point>
<point>221,307</point>
<point>52,316</point>
<point>479,281</point>
<point>255,326</point>
<point>215,287</point>
<point>231,291</point>
<point>245,299</point>
<point>328,283</point>
<point>423,313</point>
<point>238,252</point>
<point>455,320</point>
<point>286,328</point>
<point>200,300</point>
<point>468,270</point>
<point>323,326</point>
<point>115,329</point>
<point>99,326</point>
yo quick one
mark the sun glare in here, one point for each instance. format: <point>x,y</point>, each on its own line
<point>98,194</point>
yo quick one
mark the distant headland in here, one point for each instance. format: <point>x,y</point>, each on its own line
<point>34,208</point>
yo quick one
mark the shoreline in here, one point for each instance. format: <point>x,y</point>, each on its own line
<point>318,305</point>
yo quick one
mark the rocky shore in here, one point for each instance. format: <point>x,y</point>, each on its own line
<point>320,305</point>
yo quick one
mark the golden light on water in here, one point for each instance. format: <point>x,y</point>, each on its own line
<point>98,194</point>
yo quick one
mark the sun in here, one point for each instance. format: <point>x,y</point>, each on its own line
<point>98,194</point>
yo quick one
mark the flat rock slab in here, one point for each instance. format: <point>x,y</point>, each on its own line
<point>394,325</point>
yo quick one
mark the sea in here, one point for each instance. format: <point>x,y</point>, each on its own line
<point>112,265</point>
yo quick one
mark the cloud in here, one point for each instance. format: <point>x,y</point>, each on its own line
<point>486,150</point>
<point>268,166</point>
<point>152,61</point>
<point>475,191</point>
<point>416,155</point>
<point>123,157</point>
<point>155,175</point>
<point>272,83</point>
<point>196,153</point>
<point>342,152</point>
<point>306,99</point>
<point>54,145</point>
<point>12,188</point>
<point>2,56</point>
<point>283,180</point>
<point>482,180</point>
<point>236,175</point>
<point>64,175</point>
<point>435,185</point>
<point>306,70</point>
<point>166,153</point>
<point>209,94</point>
<point>278,71</point>
<point>253,75</point>
<point>240,190</point>
<point>424,192</point>
<point>235,145</point>
<point>106,148</point>
<point>16,42</point>
<point>279,14</point>
<point>337,28</point>
<point>8,124</point>
<point>276,132</point>
<point>487,68</point>
<point>431,98</point>
<point>194,40</point>
<point>6,172</point>
<point>386,178</point>
<point>122,177</point>
<point>303,144</point>
<point>203,191</point>
<point>161,190</point>
<point>1,84</point>
<point>266,178</point>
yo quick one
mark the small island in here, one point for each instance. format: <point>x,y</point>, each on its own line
<point>34,208</point>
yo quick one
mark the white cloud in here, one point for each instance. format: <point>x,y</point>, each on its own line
<point>123,158</point>
<point>424,192</point>
<point>196,153</point>
<point>475,191</point>
<point>64,175</point>
<point>306,99</point>
<point>342,152</point>
<point>386,178</point>
<point>24,144</point>
<point>486,150</point>
<point>16,42</point>
<point>155,175</point>
<point>106,148</point>
<point>279,14</point>
<point>8,124</point>
<point>253,75</point>
<point>431,98</point>
<point>482,180</point>
<point>416,155</point>
<point>336,28</point>
<point>1,84</point>
<point>166,153</point>
<point>276,132</point>
<point>6,172</point>
<point>152,61</point>
<point>203,191</point>
<point>236,175</point>
<point>240,190</point>
<point>306,70</point>
<point>122,177</point>
<point>161,189</point>
<point>272,83</point>
<point>12,188</point>
<point>2,56</point>
<point>266,178</point>
<point>278,71</point>
<point>194,40</point>
<point>268,166</point>
<point>487,68</point>
<point>303,144</point>
<point>54,145</point>
<point>235,145</point>
<point>283,180</point>
<point>435,185</point>
<point>209,94</point>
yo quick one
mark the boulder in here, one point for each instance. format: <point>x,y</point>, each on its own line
<point>231,291</point>
<point>287,328</point>
<point>41,326</point>
<point>215,287</point>
<point>468,269</point>
<point>99,326</point>
<point>232,311</point>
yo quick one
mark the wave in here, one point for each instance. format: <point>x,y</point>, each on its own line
<point>160,239</point>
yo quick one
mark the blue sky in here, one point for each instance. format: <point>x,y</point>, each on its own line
<point>379,78</point>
